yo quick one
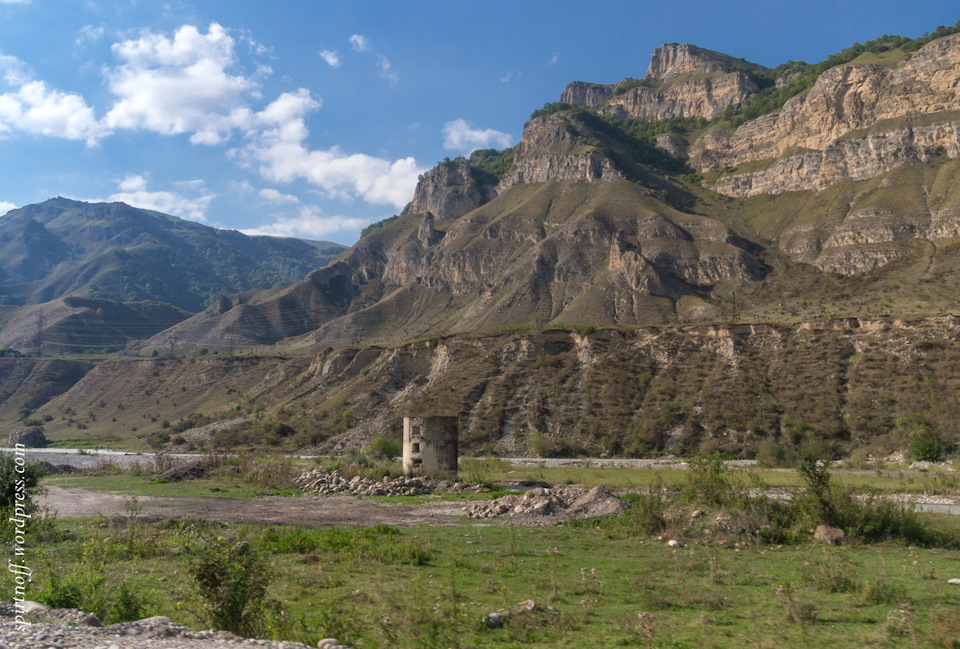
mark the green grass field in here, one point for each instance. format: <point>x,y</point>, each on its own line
<point>433,586</point>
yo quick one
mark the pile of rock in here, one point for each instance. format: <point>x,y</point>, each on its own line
<point>74,629</point>
<point>563,503</point>
<point>325,483</point>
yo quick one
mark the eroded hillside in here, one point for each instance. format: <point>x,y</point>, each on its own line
<point>846,383</point>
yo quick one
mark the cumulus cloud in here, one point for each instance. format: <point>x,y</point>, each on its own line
<point>309,223</point>
<point>331,57</point>
<point>279,152</point>
<point>554,59</point>
<point>192,204</point>
<point>32,107</point>
<point>459,136</point>
<point>180,85</point>
<point>6,206</point>
<point>359,43</point>
<point>278,198</point>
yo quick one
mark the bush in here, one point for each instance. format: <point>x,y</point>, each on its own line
<point>232,580</point>
<point>926,449</point>
<point>385,448</point>
<point>707,481</point>
<point>771,453</point>
<point>31,474</point>
<point>127,607</point>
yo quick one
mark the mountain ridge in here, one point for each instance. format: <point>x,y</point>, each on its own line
<point>63,247</point>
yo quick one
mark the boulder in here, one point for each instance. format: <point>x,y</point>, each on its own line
<point>831,535</point>
<point>31,437</point>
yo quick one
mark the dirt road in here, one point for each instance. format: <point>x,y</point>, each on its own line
<point>310,511</point>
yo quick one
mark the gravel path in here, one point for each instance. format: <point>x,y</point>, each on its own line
<point>310,511</point>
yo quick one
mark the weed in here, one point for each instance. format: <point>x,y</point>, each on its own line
<point>884,591</point>
<point>798,611</point>
<point>832,573</point>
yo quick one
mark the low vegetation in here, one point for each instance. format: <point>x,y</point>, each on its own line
<point>743,565</point>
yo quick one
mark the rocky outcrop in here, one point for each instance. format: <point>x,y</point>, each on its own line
<point>553,147</point>
<point>682,81</point>
<point>582,93</point>
<point>854,159</point>
<point>705,97</point>
<point>673,60</point>
<point>858,121</point>
<point>865,239</point>
<point>449,191</point>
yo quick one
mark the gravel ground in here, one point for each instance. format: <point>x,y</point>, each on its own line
<point>150,633</point>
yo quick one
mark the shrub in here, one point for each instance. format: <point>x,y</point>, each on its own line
<point>707,480</point>
<point>231,580</point>
<point>385,448</point>
<point>9,477</point>
<point>540,444</point>
<point>126,606</point>
<point>926,449</point>
<point>771,453</point>
<point>648,512</point>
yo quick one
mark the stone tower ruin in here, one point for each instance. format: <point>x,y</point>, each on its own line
<point>430,445</point>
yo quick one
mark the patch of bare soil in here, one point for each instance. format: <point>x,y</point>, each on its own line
<point>304,510</point>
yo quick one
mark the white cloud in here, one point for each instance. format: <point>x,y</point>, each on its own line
<point>309,223</point>
<point>89,33</point>
<point>14,2</point>
<point>6,206</point>
<point>458,136</point>
<point>31,107</point>
<point>554,59</point>
<point>359,43</point>
<point>281,156</point>
<point>331,57</point>
<point>133,191</point>
<point>386,70</point>
<point>180,85</point>
<point>279,198</point>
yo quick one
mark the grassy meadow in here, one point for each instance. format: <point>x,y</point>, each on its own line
<point>747,572</point>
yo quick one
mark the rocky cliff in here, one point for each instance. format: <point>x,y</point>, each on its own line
<point>558,147</point>
<point>682,81</point>
<point>449,190</point>
<point>858,121</point>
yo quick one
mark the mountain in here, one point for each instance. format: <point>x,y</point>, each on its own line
<point>717,256</point>
<point>597,218</point>
<point>64,248</point>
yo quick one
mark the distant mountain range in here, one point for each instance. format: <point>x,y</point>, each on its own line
<point>63,248</point>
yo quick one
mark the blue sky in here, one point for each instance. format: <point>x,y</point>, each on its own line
<point>313,119</point>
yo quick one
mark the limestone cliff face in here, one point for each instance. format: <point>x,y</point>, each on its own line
<point>854,158</point>
<point>552,147</point>
<point>673,60</point>
<point>856,122</point>
<point>682,81</point>
<point>582,93</point>
<point>448,191</point>
<point>706,97</point>
<point>867,238</point>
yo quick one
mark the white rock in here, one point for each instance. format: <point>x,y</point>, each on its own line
<point>954,581</point>
<point>673,543</point>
